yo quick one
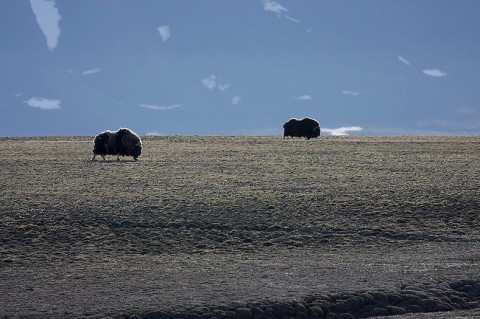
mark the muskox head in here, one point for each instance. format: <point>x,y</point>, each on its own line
<point>136,150</point>
<point>128,143</point>
<point>289,128</point>
<point>315,132</point>
<point>101,145</point>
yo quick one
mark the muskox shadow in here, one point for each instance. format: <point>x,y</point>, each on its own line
<point>112,161</point>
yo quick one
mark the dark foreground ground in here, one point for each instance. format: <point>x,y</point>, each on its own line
<point>241,227</point>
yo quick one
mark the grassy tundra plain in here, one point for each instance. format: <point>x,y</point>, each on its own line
<point>240,227</point>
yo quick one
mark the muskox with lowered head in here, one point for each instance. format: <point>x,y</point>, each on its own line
<point>305,127</point>
<point>123,142</point>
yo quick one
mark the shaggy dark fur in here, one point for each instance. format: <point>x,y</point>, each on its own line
<point>305,127</point>
<point>123,142</point>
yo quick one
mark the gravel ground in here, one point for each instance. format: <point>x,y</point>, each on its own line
<point>457,314</point>
<point>241,227</point>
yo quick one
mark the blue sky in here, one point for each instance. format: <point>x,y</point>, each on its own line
<point>239,67</point>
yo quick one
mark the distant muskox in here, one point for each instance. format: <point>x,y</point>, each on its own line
<point>122,142</point>
<point>305,127</point>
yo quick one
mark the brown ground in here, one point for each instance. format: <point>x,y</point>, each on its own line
<point>215,221</point>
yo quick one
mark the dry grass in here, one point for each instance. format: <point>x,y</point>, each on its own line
<point>231,193</point>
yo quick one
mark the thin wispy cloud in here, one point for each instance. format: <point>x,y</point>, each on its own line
<point>154,133</point>
<point>18,94</point>
<point>223,87</point>
<point>292,19</point>
<point>160,107</point>
<point>305,97</point>
<point>236,100</point>
<point>48,18</point>
<point>43,103</point>
<point>164,31</point>
<point>92,71</point>
<point>273,6</point>
<point>347,92</point>
<point>403,60</point>
<point>342,131</point>
<point>435,73</point>
<point>210,82</point>
<point>465,110</point>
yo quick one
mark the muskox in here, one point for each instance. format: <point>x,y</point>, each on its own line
<point>305,127</point>
<point>123,142</point>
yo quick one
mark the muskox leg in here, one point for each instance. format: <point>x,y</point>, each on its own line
<point>118,158</point>
<point>95,155</point>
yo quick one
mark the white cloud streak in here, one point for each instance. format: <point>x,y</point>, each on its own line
<point>236,100</point>
<point>292,19</point>
<point>273,6</point>
<point>160,107</point>
<point>164,31</point>
<point>342,131</point>
<point>92,71</point>
<point>48,20</point>
<point>435,73</point>
<point>43,104</point>
<point>347,92</point>
<point>305,97</point>
<point>403,60</point>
